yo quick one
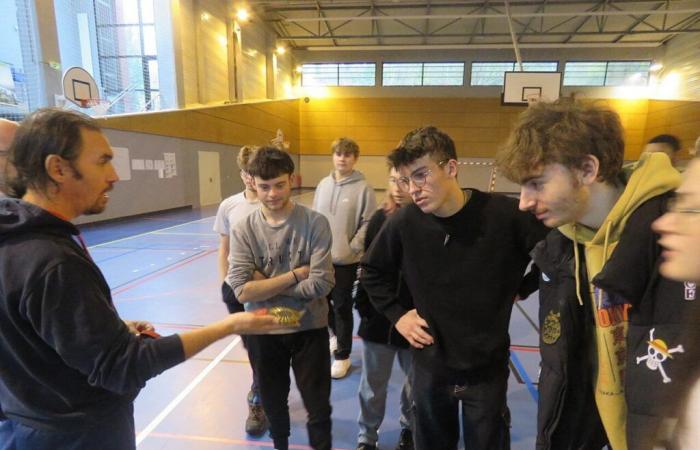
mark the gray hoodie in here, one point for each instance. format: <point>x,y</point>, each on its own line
<point>303,239</point>
<point>348,205</point>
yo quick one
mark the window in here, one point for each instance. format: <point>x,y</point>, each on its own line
<point>423,74</point>
<point>338,74</point>
<point>128,60</point>
<point>492,73</point>
<point>606,73</point>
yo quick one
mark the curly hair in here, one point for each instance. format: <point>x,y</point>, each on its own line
<point>427,140</point>
<point>245,156</point>
<point>563,132</point>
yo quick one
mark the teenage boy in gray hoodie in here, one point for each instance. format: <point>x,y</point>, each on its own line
<point>348,202</point>
<point>281,260</point>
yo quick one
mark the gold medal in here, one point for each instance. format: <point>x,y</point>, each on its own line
<point>551,330</point>
<point>287,316</point>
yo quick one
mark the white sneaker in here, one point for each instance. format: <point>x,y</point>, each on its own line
<point>340,368</point>
<point>333,344</point>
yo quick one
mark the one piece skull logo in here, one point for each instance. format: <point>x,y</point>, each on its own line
<point>657,353</point>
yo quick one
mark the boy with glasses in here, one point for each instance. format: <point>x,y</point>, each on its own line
<point>679,229</point>
<point>610,325</point>
<point>462,255</point>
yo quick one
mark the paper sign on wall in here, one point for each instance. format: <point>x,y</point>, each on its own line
<point>137,164</point>
<point>170,165</point>
<point>120,161</point>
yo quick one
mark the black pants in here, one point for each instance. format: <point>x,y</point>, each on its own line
<point>234,306</point>
<point>307,354</point>
<point>340,316</point>
<point>485,416</point>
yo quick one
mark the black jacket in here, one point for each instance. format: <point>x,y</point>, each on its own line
<point>68,360</point>
<point>567,414</point>
<point>374,327</point>
<point>462,271</point>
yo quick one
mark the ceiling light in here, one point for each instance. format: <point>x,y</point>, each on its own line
<point>280,50</point>
<point>242,15</point>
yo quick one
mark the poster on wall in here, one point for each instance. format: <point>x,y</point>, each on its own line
<point>170,165</point>
<point>122,163</point>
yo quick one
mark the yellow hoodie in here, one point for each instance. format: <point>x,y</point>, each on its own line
<point>652,175</point>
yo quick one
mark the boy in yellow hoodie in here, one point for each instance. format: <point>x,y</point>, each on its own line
<point>601,298</point>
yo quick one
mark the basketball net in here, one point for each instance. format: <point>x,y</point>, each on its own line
<point>98,106</point>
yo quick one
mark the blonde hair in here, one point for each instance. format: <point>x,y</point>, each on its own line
<point>245,156</point>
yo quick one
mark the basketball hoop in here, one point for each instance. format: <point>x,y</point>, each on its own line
<point>98,106</point>
<point>532,99</point>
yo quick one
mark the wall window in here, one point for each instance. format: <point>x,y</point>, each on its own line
<point>423,74</point>
<point>606,73</point>
<point>20,90</point>
<point>338,74</point>
<point>126,47</point>
<point>492,73</point>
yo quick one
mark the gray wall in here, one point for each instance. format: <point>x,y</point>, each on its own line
<point>145,192</point>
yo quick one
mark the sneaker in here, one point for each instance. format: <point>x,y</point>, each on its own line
<point>333,344</point>
<point>363,446</point>
<point>340,368</point>
<point>405,440</point>
<point>256,424</point>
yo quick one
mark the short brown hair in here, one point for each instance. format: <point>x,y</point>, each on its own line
<point>344,146</point>
<point>245,155</point>
<point>270,162</point>
<point>563,132</point>
<point>427,140</point>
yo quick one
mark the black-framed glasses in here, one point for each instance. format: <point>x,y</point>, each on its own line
<point>418,178</point>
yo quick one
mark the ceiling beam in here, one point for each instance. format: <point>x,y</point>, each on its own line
<point>335,5</point>
<point>638,20</point>
<point>503,34</point>
<point>504,46</point>
<point>386,16</point>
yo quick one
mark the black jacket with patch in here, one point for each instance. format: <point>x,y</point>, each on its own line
<point>567,414</point>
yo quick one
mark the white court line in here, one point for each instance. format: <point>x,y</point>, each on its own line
<point>149,232</point>
<point>168,233</point>
<point>181,396</point>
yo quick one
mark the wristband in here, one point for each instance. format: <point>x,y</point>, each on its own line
<point>295,277</point>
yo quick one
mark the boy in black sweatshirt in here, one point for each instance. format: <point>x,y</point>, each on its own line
<point>462,255</point>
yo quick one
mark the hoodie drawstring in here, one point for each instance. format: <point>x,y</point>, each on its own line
<point>608,226</point>
<point>577,270</point>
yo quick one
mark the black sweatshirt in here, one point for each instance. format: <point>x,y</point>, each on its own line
<point>374,327</point>
<point>463,273</point>
<point>66,358</point>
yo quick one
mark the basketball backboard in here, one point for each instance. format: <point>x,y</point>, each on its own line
<point>525,88</point>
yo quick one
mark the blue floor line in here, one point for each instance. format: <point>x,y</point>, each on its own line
<point>526,378</point>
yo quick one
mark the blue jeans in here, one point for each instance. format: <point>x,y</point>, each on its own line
<point>7,438</point>
<point>377,362</point>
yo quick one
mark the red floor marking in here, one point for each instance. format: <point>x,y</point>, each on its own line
<point>190,437</point>
<point>162,294</point>
<point>520,348</point>
<point>158,274</point>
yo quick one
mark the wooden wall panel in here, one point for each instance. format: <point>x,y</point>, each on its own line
<point>676,117</point>
<point>477,125</point>
<point>239,124</point>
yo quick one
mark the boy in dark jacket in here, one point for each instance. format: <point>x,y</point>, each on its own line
<point>610,325</point>
<point>382,343</point>
<point>462,254</point>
